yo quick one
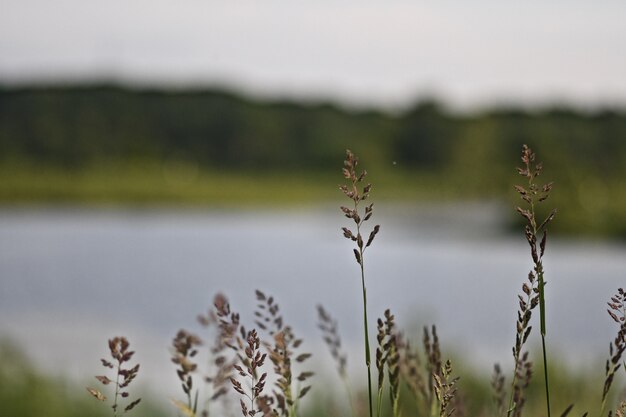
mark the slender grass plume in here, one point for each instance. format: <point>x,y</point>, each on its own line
<point>252,361</point>
<point>185,348</point>
<point>219,364</point>
<point>388,358</point>
<point>267,314</point>
<point>287,395</point>
<point>432,351</point>
<point>358,195</point>
<point>429,381</point>
<point>499,393</point>
<point>442,397</point>
<point>221,360</point>
<point>228,343</point>
<point>330,333</point>
<point>283,353</point>
<point>124,375</point>
<point>412,374</point>
<point>237,362</point>
<point>617,311</point>
<point>533,194</point>
<point>522,372</point>
<point>446,390</point>
<point>238,354</point>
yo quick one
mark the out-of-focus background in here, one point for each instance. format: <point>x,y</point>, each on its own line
<point>153,153</point>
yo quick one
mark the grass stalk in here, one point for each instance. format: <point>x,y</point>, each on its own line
<point>117,389</point>
<point>541,286</point>
<point>118,347</point>
<point>353,192</point>
<point>545,372</point>
<point>542,301</point>
<point>367,338</point>
<point>535,292</point>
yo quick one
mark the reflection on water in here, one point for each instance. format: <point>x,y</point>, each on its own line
<point>70,279</point>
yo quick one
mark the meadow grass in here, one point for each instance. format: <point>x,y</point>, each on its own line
<point>149,184</point>
<point>26,392</point>
<point>262,364</point>
<point>594,208</point>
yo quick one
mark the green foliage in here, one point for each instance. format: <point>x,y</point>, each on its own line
<point>25,392</point>
<point>111,144</point>
<point>73,127</point>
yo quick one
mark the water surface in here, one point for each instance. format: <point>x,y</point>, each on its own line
<point>70,279</point>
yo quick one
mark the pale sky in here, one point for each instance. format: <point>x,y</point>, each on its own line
<point>382,53</point>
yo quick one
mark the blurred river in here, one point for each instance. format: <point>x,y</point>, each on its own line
<point>71,278</point>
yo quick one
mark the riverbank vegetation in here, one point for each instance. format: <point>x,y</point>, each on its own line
<point>112,145</point>
<point>26,391</point>
<point>227,364</point>
<point>259,366</point>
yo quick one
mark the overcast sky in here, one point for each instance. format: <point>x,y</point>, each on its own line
<point>383,53</point>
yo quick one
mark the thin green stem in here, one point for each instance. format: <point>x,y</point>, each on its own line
<point>367,339</point>
<point>542,315</point>
<point>434,407</point>
<point>511,406</point>
<point>117,388</point>
<point>252,396</point>
<point>602,407</point>
<point>189,403</point>
<point>365,322</point>
<point>395,407</point>
<point>542,311</point>
<point>545,372</point>
<point>293,410</point>
<point>542,303</point>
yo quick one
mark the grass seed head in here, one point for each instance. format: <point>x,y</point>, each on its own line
<point>331,337</point>
<point>124,376</point>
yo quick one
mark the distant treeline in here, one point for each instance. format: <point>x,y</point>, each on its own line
<point>76,126</point>
<point>108,143</point>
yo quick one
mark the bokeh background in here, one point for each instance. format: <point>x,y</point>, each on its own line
<point>154,153</point>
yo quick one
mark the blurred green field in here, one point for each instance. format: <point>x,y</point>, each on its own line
<point>589,206</point>
<point>26,392</point>
<point>108,145</point>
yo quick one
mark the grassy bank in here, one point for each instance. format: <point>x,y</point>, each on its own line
<point>27,392</point>
<point>595,207</point>
<point>177,183</point>
<point>260,367</point>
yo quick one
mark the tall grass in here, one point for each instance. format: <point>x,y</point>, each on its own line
<point>357,195</point>
<point>532,194</point>
<point>263,367</point>
<point>123,377</point>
